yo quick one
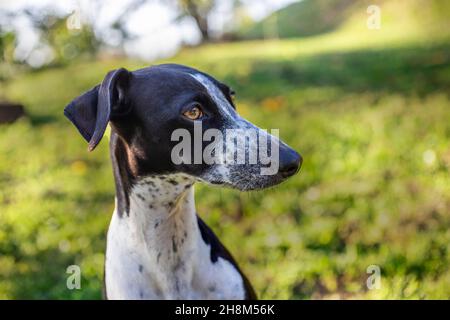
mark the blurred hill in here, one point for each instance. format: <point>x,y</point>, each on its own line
<point>312,17</point>
<point>304,18</point>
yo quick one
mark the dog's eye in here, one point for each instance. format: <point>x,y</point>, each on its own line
<point>194,113</point>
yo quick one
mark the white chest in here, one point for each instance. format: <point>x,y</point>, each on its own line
<point>159,260</point>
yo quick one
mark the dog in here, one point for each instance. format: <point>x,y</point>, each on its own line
<point>157,245</point>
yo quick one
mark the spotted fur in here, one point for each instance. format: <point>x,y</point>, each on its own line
<point>162,250</point>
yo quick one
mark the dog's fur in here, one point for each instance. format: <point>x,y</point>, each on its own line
<point>157,246</point>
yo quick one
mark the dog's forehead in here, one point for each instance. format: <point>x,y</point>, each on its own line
<point>174,77</point>
<point>174,74</point>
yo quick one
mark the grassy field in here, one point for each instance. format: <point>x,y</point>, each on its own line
<point>368,110</point>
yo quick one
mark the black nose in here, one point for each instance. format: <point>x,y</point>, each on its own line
<point>290,162</point>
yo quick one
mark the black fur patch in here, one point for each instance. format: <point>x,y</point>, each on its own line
<point>218,250</point>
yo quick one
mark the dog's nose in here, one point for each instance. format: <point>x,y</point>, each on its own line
<point>290,162</point>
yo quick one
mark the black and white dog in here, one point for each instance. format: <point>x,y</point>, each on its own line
<point>157,246</point>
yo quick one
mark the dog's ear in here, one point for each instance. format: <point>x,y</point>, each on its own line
<point>91,112</point>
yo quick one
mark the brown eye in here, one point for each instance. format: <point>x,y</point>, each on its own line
<point>194,113</point>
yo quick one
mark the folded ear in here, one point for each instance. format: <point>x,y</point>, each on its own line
<point>91,112</point>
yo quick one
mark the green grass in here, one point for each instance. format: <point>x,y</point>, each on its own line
<point>369,113</point>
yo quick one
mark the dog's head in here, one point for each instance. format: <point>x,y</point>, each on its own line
<point>175,119</point>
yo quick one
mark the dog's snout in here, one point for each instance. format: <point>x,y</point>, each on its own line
<point>290,162</point>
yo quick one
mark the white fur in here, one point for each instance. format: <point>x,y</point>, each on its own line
<point>141,260</point>
<point>217,95</point>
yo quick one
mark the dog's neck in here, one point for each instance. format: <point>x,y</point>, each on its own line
<point>157,247</point>
<point>156,244</point>
<point>162,219</point>
<point>162,213</point>
<point>159,208</point>
<point>154,230</point>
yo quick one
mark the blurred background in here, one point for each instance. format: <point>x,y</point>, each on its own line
<point>359,88</point>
